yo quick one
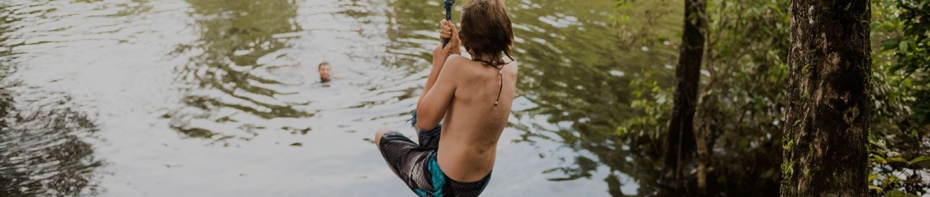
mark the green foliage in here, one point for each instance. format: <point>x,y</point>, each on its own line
<point>909,40</point>
<point>653,102</point>
<point>912,46</point>
<point>743,78</point>
<point>898,136</point>
<point>742,97</point>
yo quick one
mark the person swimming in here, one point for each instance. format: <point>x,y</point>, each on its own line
<point>456,158</point>
<point>293,71</point>
<point>324,69</point>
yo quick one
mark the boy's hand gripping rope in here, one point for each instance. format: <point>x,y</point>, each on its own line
<point>448,17</point>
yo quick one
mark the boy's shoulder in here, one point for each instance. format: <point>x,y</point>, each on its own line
<point>457,59</point>
<point>458,63</point>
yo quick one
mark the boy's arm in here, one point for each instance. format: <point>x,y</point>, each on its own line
<point>440,85</point>
<point>435,101</point>
<point>440,54</point>
<point>439,59</point>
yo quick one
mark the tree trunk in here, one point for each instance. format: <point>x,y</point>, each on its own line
<point>828,109</point>
<point>680,140</point>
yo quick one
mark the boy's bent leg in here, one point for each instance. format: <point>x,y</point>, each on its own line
<point>407,160</point>
<point>378,135</point>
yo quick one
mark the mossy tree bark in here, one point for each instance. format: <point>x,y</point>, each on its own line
<point>828,107</point>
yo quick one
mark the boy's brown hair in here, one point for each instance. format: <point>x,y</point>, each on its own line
<point>486,30</point>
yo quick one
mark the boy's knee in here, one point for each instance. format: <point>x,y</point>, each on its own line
<point>378,135</point>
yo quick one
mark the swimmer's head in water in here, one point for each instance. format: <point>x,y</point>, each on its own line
<point>324,70</point>
<point>487,31</point>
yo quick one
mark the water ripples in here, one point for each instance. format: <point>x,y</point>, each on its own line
<point>152,97</point>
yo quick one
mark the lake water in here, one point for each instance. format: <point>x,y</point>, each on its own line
<point>221,97</point>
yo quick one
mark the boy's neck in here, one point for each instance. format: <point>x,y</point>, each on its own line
<point>483,57</point>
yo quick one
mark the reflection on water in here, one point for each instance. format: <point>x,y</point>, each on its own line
<point>43,151</point>
<point>580,78</point>
<point>221,97</point>
<point>42,148</point>
<point>224,62</point>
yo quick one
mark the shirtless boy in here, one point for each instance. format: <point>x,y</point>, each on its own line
<point>473,97</point>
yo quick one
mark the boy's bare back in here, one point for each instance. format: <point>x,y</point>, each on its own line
<point>473,124</point>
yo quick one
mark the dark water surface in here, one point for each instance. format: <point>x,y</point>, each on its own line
<point>221,97</point>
